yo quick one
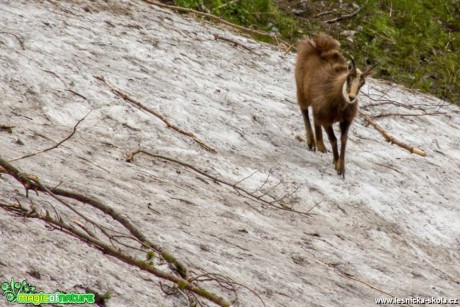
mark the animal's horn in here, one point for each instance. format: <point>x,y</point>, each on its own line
<point>370,68</point>
<point>351,65</point>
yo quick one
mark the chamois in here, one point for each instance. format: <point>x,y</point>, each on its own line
<point>331,87</point>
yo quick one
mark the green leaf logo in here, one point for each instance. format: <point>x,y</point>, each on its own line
<point>12,289</point>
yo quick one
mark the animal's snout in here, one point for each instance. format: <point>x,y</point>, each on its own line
<point>352,97</point>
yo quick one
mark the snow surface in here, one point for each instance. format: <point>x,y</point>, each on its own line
<point>393,223</point>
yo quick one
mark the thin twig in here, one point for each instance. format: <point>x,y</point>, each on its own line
<point>161,117</point>
<point>246,193</point>
<point>224,5</point>
<point>236,43</point>
<point>324,13</point>
<point>389,138</point>
<point>241,180</point>
<point>344,16</point>
<point>56,145</point>
<point>406,115</point>
<point>31,182</point>
<point>143,265</point>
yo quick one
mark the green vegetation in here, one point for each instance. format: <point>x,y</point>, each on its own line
<point>416,41</point>
<point>257,14</point>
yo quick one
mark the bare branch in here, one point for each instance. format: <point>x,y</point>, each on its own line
<point>56,145</point>
<point>406,115</point>
<point>245,192</point>
<point>389,138</point>
<point>161,117</point>
<point>344,16</point>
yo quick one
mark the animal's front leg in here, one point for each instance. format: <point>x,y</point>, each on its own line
<point>310,138</point>
<point>344,127</point>
<point>333,140</point>
<point>319,136</point>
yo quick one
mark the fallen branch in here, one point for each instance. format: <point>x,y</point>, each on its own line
<point>31,182</point>
<point>324,13</point>
<point>182,282</point>
<point>389,138</point>
<point>406,115</point>
<point>54,146</point>
<point>141,264</point>
<point>245,192</point>
<point>161,117</point>
<point>217,36</point>
<point>214,17</point>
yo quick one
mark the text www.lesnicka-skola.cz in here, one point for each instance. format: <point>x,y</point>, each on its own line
<point>417,300</point>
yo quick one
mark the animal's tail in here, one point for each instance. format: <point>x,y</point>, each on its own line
<point>323,46</point>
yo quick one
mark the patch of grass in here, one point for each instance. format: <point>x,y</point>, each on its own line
<point>258,14</point>
<point>416,41</point>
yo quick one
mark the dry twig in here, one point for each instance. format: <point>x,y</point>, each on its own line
<point>389,138</point>
<point>161,117</point>
<point>54,146</point>
<point>406,115</point>
<point>141,264</point>
<point>217,36</point>
<point>344,16</point>
<point>245,192</point>
<point>32,182</point>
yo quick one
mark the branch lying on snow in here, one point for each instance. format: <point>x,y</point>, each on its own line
<point>406,115</point>
<point>217,36</point>
<point>183,282</point>
<point>54,146</point>
<point>161,117</point>
<point>31,182</point>
<point>389,138</point>
<point>106,248</point>
<point>275,203</point>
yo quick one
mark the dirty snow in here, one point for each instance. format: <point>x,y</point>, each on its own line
<point>393,223</point>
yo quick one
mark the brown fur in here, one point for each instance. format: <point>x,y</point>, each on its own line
<point>320,73</point>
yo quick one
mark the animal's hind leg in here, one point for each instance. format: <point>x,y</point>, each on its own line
<point>340,166</point>
<point>306,120</point>
<point>319,137</point>
<point>333,140</point>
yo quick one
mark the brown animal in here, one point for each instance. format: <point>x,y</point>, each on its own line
<point>331,87</point>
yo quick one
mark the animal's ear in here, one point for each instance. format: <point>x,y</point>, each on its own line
<point>368,71</point>
<point>352,67</point>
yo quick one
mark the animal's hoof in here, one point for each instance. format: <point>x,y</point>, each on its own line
<point>321,147</point>
<point>340,169</point>
<point>336,164</point>
<point>312,147</point>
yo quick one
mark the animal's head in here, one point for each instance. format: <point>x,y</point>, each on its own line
<point>355,80</point>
